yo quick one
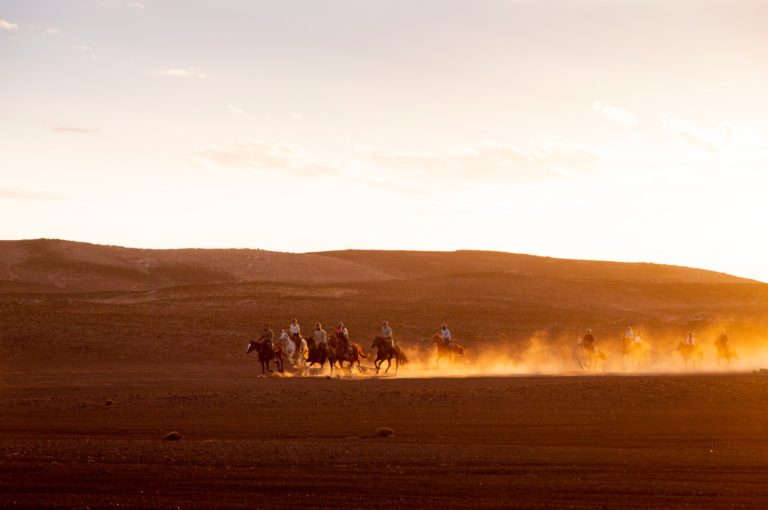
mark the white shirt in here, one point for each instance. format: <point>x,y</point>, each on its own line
<point>690,340</point>
<point>295,329</point>
<point>445,333</point>
<point>629,334</point>
<point>320,336</point>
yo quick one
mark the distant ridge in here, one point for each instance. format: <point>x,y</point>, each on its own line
<point>52,265</point>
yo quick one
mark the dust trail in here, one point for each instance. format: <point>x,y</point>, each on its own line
<point>547,355</point>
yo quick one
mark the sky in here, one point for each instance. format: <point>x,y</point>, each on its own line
<point>597,129</point>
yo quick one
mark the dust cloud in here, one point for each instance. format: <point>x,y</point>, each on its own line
<point>543,354</point>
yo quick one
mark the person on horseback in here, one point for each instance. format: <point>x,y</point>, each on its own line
<point>445,334</point>
<point>319,336</point>
<point>588,341</point>
<point>629,335</point>
<point>690,340</point>
<point>295,330</point>
<point>722,341</point>
<point>267,335</point>
<point>386,334</point>
<point>343,334</point>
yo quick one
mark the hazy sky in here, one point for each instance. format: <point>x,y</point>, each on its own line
<point>606,129</point>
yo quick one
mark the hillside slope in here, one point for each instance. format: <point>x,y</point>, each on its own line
<point>412,264</point>
<point>54,265</point>
<point>45,265</point>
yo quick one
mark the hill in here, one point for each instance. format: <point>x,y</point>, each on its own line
<point>45,265</point>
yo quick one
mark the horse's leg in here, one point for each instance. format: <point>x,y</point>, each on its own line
<point>397,364</point>
<point>389,364</point>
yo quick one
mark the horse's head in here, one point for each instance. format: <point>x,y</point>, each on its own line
<point>436,338</point>
<point>252,346</point>
<point>377,342</point>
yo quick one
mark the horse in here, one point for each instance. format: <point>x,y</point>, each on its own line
<point>385,352</point>
<point>446,351</point>
<point>725,352</point>
<point>634,350</point>
<point>267,351</point>
<point>691,353</point>
<point>319,354</point>
<point>588,356</point>
<point>343,355</point>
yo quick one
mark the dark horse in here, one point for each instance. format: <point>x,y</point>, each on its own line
<point>343,355</point>
<point>446,351</point>
<point>385,352</point>
<point>267,352</point>
<point>319,354</point>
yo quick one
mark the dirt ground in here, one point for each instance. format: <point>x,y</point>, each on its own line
<point>73,438</point>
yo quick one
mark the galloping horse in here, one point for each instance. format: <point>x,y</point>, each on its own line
<point>267,352</point>
<point>320,354</point>
<point>634,351</point>
<point>342,355</point>
<point>691,353</point>
<point>385,352</point>
<point>725,352</point>
<point>446,351</point>
<point>588,356</point>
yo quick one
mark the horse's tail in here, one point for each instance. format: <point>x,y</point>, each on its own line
<point>360,351</point>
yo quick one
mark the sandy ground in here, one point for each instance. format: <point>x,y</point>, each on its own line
<point>94,439</point>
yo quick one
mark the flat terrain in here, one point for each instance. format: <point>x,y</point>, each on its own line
<point>104,350</point>
<point>74,438</point>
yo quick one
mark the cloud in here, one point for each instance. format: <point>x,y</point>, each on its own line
<point>86,49</point>
<point>287,157</point>
<point>179,72</point>
<point>236,110</point>
<point>485,161</point>
<point>21,194</point>
<point>137,5</point>
<point>489,160</point>
<point>73,129</point>
<point>708,139</point>
<point>615,114</point>
<point>7,25</point>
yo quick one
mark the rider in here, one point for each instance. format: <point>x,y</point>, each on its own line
<point>295,331</point>
<point>690,339</point>
<point>445,334</point>
<point>386,334</point>
<point>266,335</point>
<point>722,340</point>
<point>320,336</point>
<point>588,341</point>
<point>629,335</point>
<point>343,335</point>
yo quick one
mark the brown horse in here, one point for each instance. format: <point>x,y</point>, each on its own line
<point>385,352</point>
<point>446,351</point>
<point>267,352</point>
<point>343,355</point>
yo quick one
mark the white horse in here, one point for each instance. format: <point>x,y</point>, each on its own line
<point>288,345</point>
